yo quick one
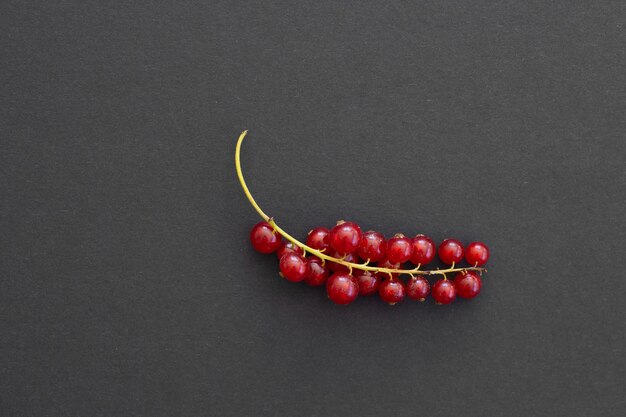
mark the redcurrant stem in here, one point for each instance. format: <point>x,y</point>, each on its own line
<point>320,254</point>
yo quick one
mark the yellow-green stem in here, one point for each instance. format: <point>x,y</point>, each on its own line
<point>321,255</point>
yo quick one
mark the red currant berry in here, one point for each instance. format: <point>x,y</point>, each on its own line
<point>399,249</point>
<point>318,238</point>
<point>288,247</point>
<point>342,288</point>
<point>372,246</point>
<point>318,272</point>
<point>391,291</point>
<point>368,282</point>
<point>443,291</point>
<point>345,237</point>
<point>417,288</point>
<point>450,251</point>
<point>263,238</point>
<point>335,267</point>
<point>423,250</point>
<point>476,254</point>
<point>467,284</point>
<point>294,267</point>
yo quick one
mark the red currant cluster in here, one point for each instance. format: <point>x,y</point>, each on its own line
<point>341,258</point>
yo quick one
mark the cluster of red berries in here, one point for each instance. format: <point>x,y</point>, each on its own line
<point>346,242</point>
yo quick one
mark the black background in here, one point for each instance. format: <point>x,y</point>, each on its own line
<point>128,283</point>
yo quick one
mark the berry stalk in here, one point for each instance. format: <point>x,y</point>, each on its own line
<point>322,255</point>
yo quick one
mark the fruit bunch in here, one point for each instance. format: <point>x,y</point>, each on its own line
<point>342,258</point>
<point>353,263</point>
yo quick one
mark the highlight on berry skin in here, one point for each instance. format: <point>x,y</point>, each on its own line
<point>350,263</point>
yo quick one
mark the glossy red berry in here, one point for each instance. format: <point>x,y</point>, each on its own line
<point>345,237</point>
<point>286,247</point>
<point>372,246</point>
<point>318,272</point>
<point>423,250</point>
<point>391,291</point>
<point>342,288</point>
<point>443,291</point>
<point>368,282</point>
<point>294,267</point>
<point>350,257</point>
<point>467,284</point>
<point>417,288</point>
<point>451,251</point>
<point>318,238</point>
<point>399,249</point>
<point>476,254</point>
<point>263,238</point>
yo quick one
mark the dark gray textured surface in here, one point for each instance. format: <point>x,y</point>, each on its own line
<point>128,286</point>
